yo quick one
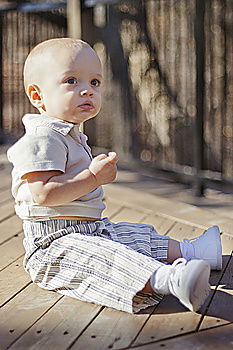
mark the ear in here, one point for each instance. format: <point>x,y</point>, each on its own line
<point>35,96</point>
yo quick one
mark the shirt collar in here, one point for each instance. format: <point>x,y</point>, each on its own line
<point>31,121</point>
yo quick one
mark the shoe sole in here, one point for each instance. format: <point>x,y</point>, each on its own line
<point>198,287</point>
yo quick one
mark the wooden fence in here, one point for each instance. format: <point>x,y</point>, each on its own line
<point>168,79</point>
<point>21,29</point>
<point>168,92</point>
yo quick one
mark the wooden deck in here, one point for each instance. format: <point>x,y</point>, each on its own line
<point>32,318</point>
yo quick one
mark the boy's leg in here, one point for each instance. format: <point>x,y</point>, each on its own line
<point>189,282</point>
<point>174,251</point>
<point>188,279</point>
<point>81,261</point>
<point>114,264</point>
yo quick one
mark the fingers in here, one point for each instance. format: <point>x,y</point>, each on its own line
<point>101,156</point>
<point>111,157</point>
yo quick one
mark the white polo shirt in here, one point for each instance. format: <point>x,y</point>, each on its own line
<point>51,144</point>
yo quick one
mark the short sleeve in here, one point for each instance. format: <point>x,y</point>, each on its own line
<point>38,153</point>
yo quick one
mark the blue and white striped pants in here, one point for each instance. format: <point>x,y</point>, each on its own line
<point>100,262</point>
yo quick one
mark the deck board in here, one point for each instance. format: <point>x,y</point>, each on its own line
<point>7,210</point>
<point>11,251</point>
<point>169,318</point>
<point>214,338</point>
<point>21,312</point>
<point>8,277</point>
<point>60,326</point>
<point>10,228</point>
<point>128,214</point>
<point>32,318</point>
<point>179,231</point>
<point>108,331</point>
<point>6,195</point>
<point>220,310</point>
<point>5,177</point>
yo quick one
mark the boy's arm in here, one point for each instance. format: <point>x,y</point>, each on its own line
<point>52,188</point>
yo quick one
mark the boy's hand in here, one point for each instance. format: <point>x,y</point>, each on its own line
<point>104,168</point>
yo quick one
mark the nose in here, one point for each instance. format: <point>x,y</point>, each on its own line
<point>85,92</point>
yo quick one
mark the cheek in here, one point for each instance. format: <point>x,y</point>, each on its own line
<point>68,99</point>
<point>62,103</point>
<point>99,100</point>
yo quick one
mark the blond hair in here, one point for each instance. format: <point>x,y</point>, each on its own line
<point>30,72</point>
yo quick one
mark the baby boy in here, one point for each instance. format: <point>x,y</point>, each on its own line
<point>70,248</point>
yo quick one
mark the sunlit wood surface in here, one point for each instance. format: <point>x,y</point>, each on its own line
<point>32,318</point>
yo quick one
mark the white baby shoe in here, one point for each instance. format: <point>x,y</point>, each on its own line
<point>206,247</point>
<point>188,281</point>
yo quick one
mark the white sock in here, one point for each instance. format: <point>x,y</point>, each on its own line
<point>159,280</point>
<point>187,250</point>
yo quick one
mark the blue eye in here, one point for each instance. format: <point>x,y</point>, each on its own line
<point>95,82</point>
<point>72,81</point>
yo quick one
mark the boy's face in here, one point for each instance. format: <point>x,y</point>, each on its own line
<point>70,85</point>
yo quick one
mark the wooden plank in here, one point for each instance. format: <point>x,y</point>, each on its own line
<point>9,228</point>
<point>197,216</point>
<point>180,231</point>
<point>112,208</point>
<point>154,220</point>
<point>7,210</point>
<point>112,329</point>
<point>5,177</point>
<point>11,250</point>
<point>165,226</point>
<point>12,280</point>
<point>162,224</point>
<point>5,195</point>
<point>59,326</point>
<point>227,226</point>
<point>128,215</point>
<point>169,319</point>
<point>214,338</point>
<point>23,311</point>
<point>227,244</point>
<point>220,310</point>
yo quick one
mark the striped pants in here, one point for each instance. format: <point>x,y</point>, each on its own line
<point>100,262</point>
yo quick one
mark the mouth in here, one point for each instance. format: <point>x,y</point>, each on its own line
<point>86,105</point>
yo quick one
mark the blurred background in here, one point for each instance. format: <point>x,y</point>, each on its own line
<point>168,66</point>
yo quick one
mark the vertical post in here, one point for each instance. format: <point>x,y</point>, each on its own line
<point>199,33</point>
<point>74,23</point>
<point>74,19</point>
<point>1,81</point>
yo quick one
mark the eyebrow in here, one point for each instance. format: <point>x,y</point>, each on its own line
<point>99,75</point>
<point>70,73</point>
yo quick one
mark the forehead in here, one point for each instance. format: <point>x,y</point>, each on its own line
<point>73,59</point>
